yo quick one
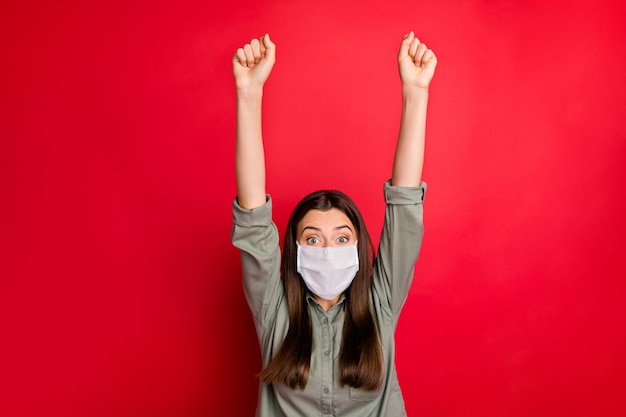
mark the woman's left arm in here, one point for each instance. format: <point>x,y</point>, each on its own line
<point>416,64</point>
<point>401,237</point>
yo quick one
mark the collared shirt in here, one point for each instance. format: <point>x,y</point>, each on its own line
<point>255,234</point>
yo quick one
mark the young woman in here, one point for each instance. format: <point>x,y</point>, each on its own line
<point>326,314</point>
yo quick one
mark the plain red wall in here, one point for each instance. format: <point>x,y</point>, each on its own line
<point>120,292</point>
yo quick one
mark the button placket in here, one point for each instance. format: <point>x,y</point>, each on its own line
<point>326,365</point>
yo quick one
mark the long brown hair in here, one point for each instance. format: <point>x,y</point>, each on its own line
<point>360,358</point>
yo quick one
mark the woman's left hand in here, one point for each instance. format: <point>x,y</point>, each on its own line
<point>416,62</point>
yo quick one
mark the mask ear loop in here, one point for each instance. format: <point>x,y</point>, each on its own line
<point>297,257</point>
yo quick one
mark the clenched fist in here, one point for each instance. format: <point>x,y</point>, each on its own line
<point>253,63</point>
<point>416,62</point>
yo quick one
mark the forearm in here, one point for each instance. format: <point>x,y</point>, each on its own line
<point>409,157</point>
<point>249,153</point>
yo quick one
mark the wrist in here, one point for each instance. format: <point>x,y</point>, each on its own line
<point>249,92</point>
<point>414,92</point>
<point>413,97</point>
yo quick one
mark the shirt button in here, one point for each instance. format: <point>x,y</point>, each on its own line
<point>325,390</point>
<point>326,352</point>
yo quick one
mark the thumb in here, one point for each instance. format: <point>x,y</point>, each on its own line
<point>406,43</point>
<point>270,47</point>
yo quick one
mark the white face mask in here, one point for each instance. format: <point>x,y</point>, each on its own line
<point>327,272</point>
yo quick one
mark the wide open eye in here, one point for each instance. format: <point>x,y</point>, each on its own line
<point>343,239</point>
<point>312,240</point>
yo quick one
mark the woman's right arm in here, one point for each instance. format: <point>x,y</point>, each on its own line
<point>253,231</point>
<point>252,65</point>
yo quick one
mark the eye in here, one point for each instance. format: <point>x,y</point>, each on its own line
<point>312,240</point>
<point>343,239</point>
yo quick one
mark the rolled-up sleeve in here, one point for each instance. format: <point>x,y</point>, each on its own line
<point>255,235</point>
<point>399,246</point>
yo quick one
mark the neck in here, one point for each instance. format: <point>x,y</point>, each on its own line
<point>327,304</point>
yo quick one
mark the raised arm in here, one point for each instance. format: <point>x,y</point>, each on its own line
<point>252,65</point>
<point>416,64</point>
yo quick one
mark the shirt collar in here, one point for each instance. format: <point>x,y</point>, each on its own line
<point>312,301</point>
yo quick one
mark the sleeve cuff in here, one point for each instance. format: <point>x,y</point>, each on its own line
<point>258,216</point>
<point>404,195</point>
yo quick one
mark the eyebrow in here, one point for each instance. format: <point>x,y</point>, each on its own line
<point>343,226</point>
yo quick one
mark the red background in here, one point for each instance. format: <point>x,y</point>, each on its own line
<point>120,292</point>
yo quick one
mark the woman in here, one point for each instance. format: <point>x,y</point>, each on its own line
<point>325,316</point>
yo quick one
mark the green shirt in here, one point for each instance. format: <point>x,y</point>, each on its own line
<point>255,234</point>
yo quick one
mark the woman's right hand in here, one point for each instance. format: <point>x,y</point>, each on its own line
<point>253,63</point>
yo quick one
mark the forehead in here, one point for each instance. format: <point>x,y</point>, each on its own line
<point>324,219</point>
